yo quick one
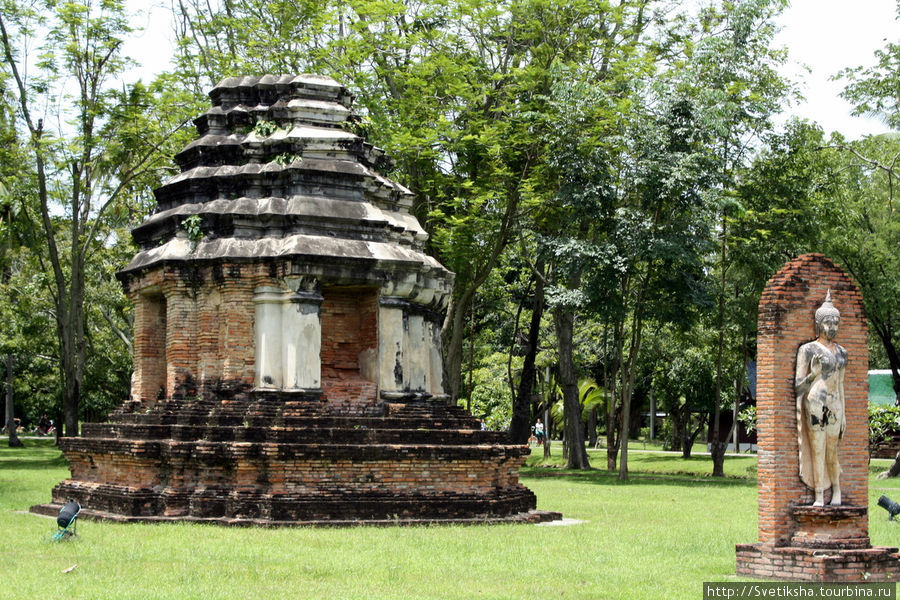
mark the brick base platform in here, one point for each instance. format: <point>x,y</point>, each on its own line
<point>530,517</point>
<point>823,565</point>
<point>285,461</point>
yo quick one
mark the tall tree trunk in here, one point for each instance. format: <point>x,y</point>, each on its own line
<point>453,330</point>
<point>520,425</point>
<point>718,446</point>
<point>71,337</point>
<point>547,437</point>
<point>574,432</point>
<point>676,437</point>
<point>612,446</point>
<point>687,441</point>
<point>688,437</point>
<point>628,386</point>
<point>548,423</point>
<point>609,379</point>
<point>592,427</point>
<point>14,441</point>
<point>623,428</point>
<point>453,335</point>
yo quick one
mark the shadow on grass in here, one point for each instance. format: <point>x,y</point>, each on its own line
<point>603,477</point>
<point>51,462</point>
<point>35,455</point>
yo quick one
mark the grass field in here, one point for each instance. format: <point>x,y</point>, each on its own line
<point>660,535</point>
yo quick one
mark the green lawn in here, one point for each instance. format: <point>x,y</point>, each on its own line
<point>658,536</point>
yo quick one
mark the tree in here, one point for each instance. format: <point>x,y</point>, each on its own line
<point>83,164</point>
<point>684,375</point>
<point>519,429</point>
<point>732,79</point>
<point>864,233</point>
<point>875,91</point>
<point>635,230</point>
<point>10,183</point>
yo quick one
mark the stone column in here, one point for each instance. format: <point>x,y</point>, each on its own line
<point>302,340</point>
<point>268,337</point>
<point>419,360</point>
<point>393,364</point>
<point>436,380</point>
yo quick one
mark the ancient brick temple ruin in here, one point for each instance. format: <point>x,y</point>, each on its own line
<point>287,322</point>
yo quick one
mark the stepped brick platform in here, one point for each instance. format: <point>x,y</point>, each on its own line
<point>822,565</point>
<point>287,340</point>
<point>275,461</point>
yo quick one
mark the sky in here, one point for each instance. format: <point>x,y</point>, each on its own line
<point>824,36</point>
<point>827,36</point>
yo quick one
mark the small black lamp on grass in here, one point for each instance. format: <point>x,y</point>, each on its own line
<point>68,515</point>
<point>889,505</point>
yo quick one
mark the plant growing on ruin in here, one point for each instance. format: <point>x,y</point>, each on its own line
<point>192,227</point>
<point>286,158</point>
<point>264,128</point>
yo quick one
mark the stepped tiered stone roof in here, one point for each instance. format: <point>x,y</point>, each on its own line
<point>287,339</point>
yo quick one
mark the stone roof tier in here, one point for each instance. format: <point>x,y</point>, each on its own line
<point>278,172</point>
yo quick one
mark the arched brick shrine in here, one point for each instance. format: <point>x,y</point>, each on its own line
<point>798,541</point>
<point>287,339</point>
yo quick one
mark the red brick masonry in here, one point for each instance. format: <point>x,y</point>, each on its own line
<point>798,541</point>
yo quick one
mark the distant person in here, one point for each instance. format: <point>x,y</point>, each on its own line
<point>44,425</point>
<point>539,432</point>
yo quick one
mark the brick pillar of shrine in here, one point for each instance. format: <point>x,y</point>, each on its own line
<point>796,540</point>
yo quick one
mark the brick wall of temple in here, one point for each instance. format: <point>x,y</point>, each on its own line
<point>300,475</point>
<point>349,333</point>
<point>348,328</point>
<point>204,341</point>
<point>210,340</point>
<point>205,479</point>
<point>786,321</point>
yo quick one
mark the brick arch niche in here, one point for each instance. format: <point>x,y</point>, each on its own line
<point>349,318</point>
<point>798,541</point>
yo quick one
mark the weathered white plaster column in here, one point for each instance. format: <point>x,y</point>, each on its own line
<point>436,379</point>
<point>268,328</point>
<point>419,359</point>
<point>392,360</point>
<point>302,337</point>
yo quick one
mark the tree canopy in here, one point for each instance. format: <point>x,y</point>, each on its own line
<point>603,176</point>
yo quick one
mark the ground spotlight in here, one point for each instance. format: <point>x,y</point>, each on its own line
<point>66,520</point>
<point>889,505</point>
